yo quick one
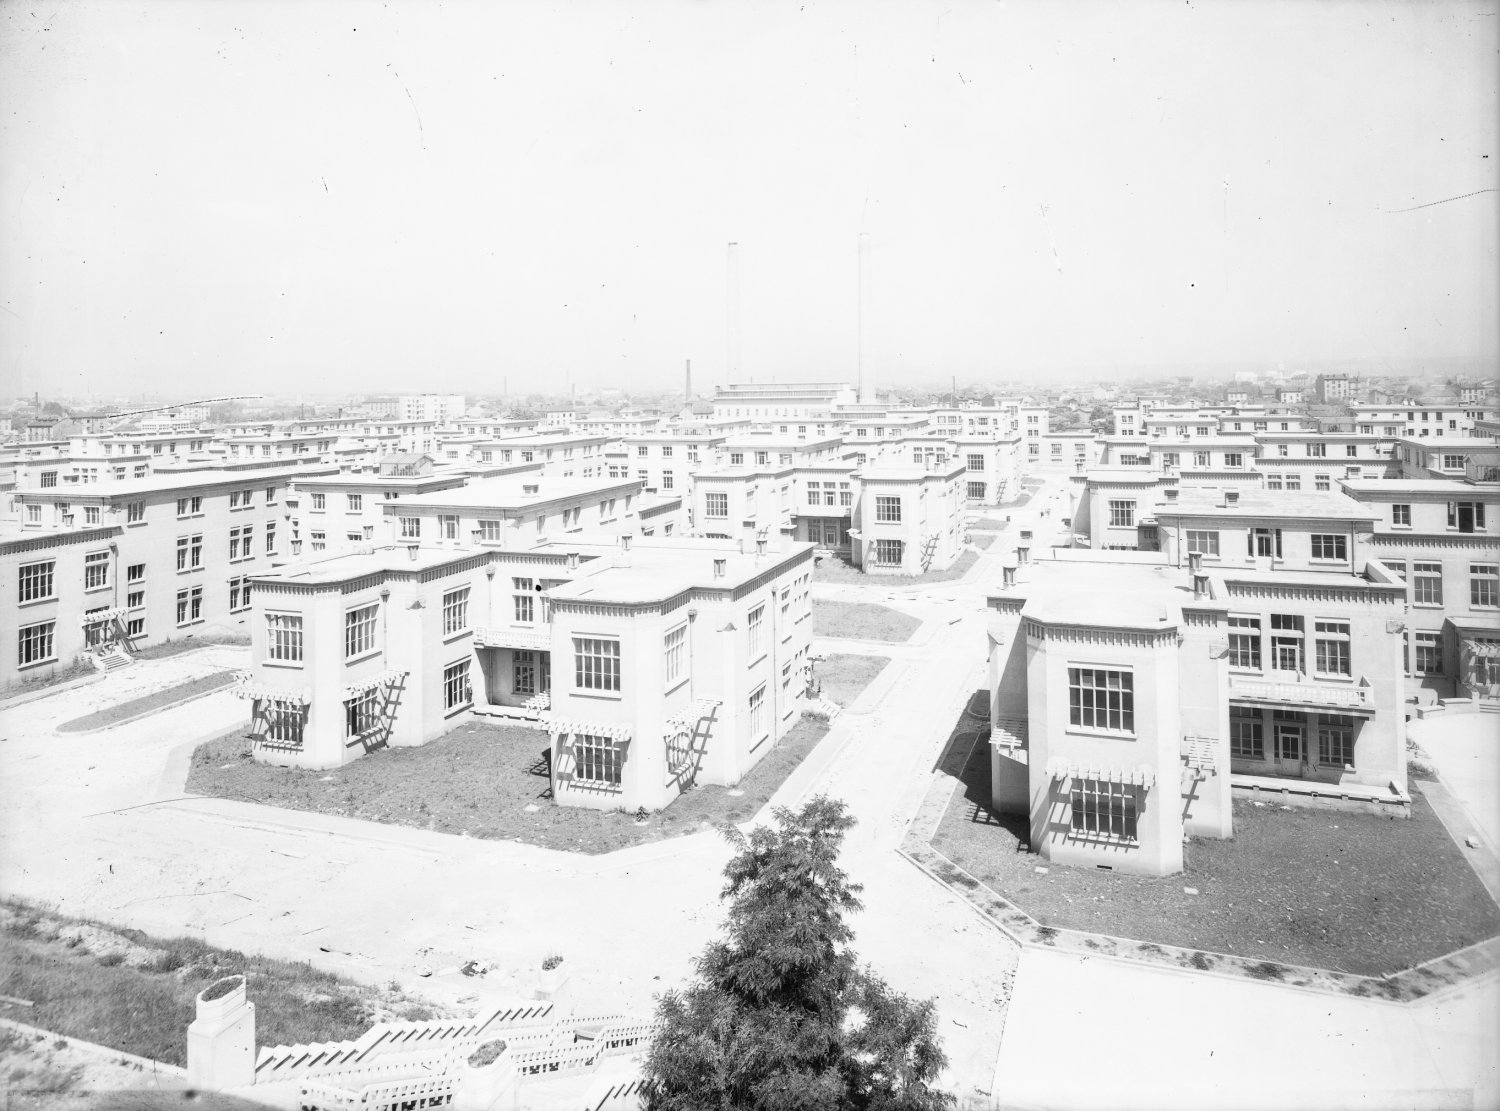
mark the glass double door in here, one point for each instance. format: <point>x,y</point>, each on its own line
<point>1289,747</point>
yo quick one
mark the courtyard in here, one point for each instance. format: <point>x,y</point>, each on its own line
<point>1352,892</point>
<point>862,621</point>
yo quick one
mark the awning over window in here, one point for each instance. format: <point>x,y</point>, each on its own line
<point>1141,776</point>
<point>99,617</point>
<point>385,678</point>
<point>1483,649</point>
<point>617,731</point>
<point>685,720</point>
<point>260,692</point>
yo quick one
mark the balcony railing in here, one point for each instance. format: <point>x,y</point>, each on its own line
<point>505,637</point>
<point>1300,693</point>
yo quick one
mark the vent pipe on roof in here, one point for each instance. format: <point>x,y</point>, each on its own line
<point>572,561</point>
<point>1231,498</point>
<point>411,552</point>
<point>719,566</point>
<point>1008,576</point>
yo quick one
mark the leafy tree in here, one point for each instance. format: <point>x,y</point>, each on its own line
<point>779,1016</point>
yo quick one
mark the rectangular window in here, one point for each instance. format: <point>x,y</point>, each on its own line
<point>887,509</point>
<point>356,502</point>
<point>270,537</point>
<point>716,505</point>
<point>525,601</point>
<point>1429,654</point>
<point>596,760</point>
<point>1484,585</point>
<point>270,495</point>
<point>596,664</point>
<point>889,553</point>
<point>317,540</point>
<point>319,501</point>
<point>1401,515</point>
<point>757,713</point>
<point>1246,736</point>
<point>755,624</point>
<point>1273,482</point>
<point>457,690</point>
<point>1317,451</point>
<point>284,637</point>
<point>667,480</point>
<point>1427,584</point>
<point>1453,462</point>
<point>411,528</point>
<point>1103,809</point>
<point>674,654</point>
<point>1397,567</point>
<point>1101,699</point>
<point>1335,741</point>
<point>135,599</point>
<point>36,581</point>
<point>974,462</point>
<point>523,672</point>
<point>34,643</point>
<point>1321,482</point>
<point>1330,546</point>
<point>1294,482</point>
<point>189,605</point>
<point>1244,642</point>
<point>1200,459</point>
<point>361,714</point>
<point>1122,514</point>
<point>359,631</point>
<point>448,526</point>
<point>135,572</point>
<point>239,594</point>
<point>974,491</point>
<point>1331,647</point>
<point>1234,459</point>
<point>135,627</point>
<point>455,611</point>
<point>1206,542</point>
<point>91,514</point>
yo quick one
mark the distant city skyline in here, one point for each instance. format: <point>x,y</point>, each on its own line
<point>346,198</point>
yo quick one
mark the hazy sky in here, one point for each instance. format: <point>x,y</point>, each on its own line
<point>260,197</point>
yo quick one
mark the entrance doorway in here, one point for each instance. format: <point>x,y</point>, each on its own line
<point>1291,749</point>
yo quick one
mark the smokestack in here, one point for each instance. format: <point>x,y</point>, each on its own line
<point>687,382</point>
<point>866,392</point>
<point>734,312</point>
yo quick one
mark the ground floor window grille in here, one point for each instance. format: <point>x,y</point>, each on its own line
<point>596,760</point>
<point>361,714</point>
<point>1103,809</point>
<point>1336,741</point>
<point>1246,733</point>
<point>524,672</point>
<point>457,692</point>
<point>888,553</point>
<point>283,724</point>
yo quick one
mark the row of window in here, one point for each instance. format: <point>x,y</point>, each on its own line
<point>1333,733</point>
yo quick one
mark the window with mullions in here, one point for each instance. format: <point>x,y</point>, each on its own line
<point>974,462</point>
<point>284,637</point>
<point>284,724</point>
<point>1484,585</point>
<point>1204,541</point>
<point>596,664</point>
<point>1335,741</point>
<point>1104,810</point>
<point>34,643</point>
<point>596,760</point>
<point>523,672</point>
<point>1101,699</point>
<point>359,631</point>
<point>888,509</point>
<point>1331,647</point>
<point>1287,652</point>
<point>1429,654</point>
<point>1427,584</point>
<point>411,528</point>
<point>239,594</point>
<point>1246,733</point>
<point>1329,546</point>
<point>524,600</point>
<point>757,713</point>
<point>361,713</point>
<point>889,553</point>
<point>457,690</point>
<point>36,581</point>
<point>1122,514</point>
<point>716,505</point>
<point>755,624</point>
<point>674,654</point>
<point>455,611</point>
<point>1244,642</point>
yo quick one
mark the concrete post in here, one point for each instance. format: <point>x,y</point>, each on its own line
<point>490,1086</point>
<point>221,1040</point>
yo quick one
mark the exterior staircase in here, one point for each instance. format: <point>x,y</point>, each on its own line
<point>111,658</point>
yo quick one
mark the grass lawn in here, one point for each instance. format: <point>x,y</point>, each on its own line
<point>62,674</point>
<point>862,621</point>
<point>123,711</point>
<point>992,524</point>
<point>1352,892</point>
<point>844,676</point>
<point>85,983</point>
<point>479,780</point>
<point>982,540</point>
<point>836,569</point>
<point>170,647</point>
